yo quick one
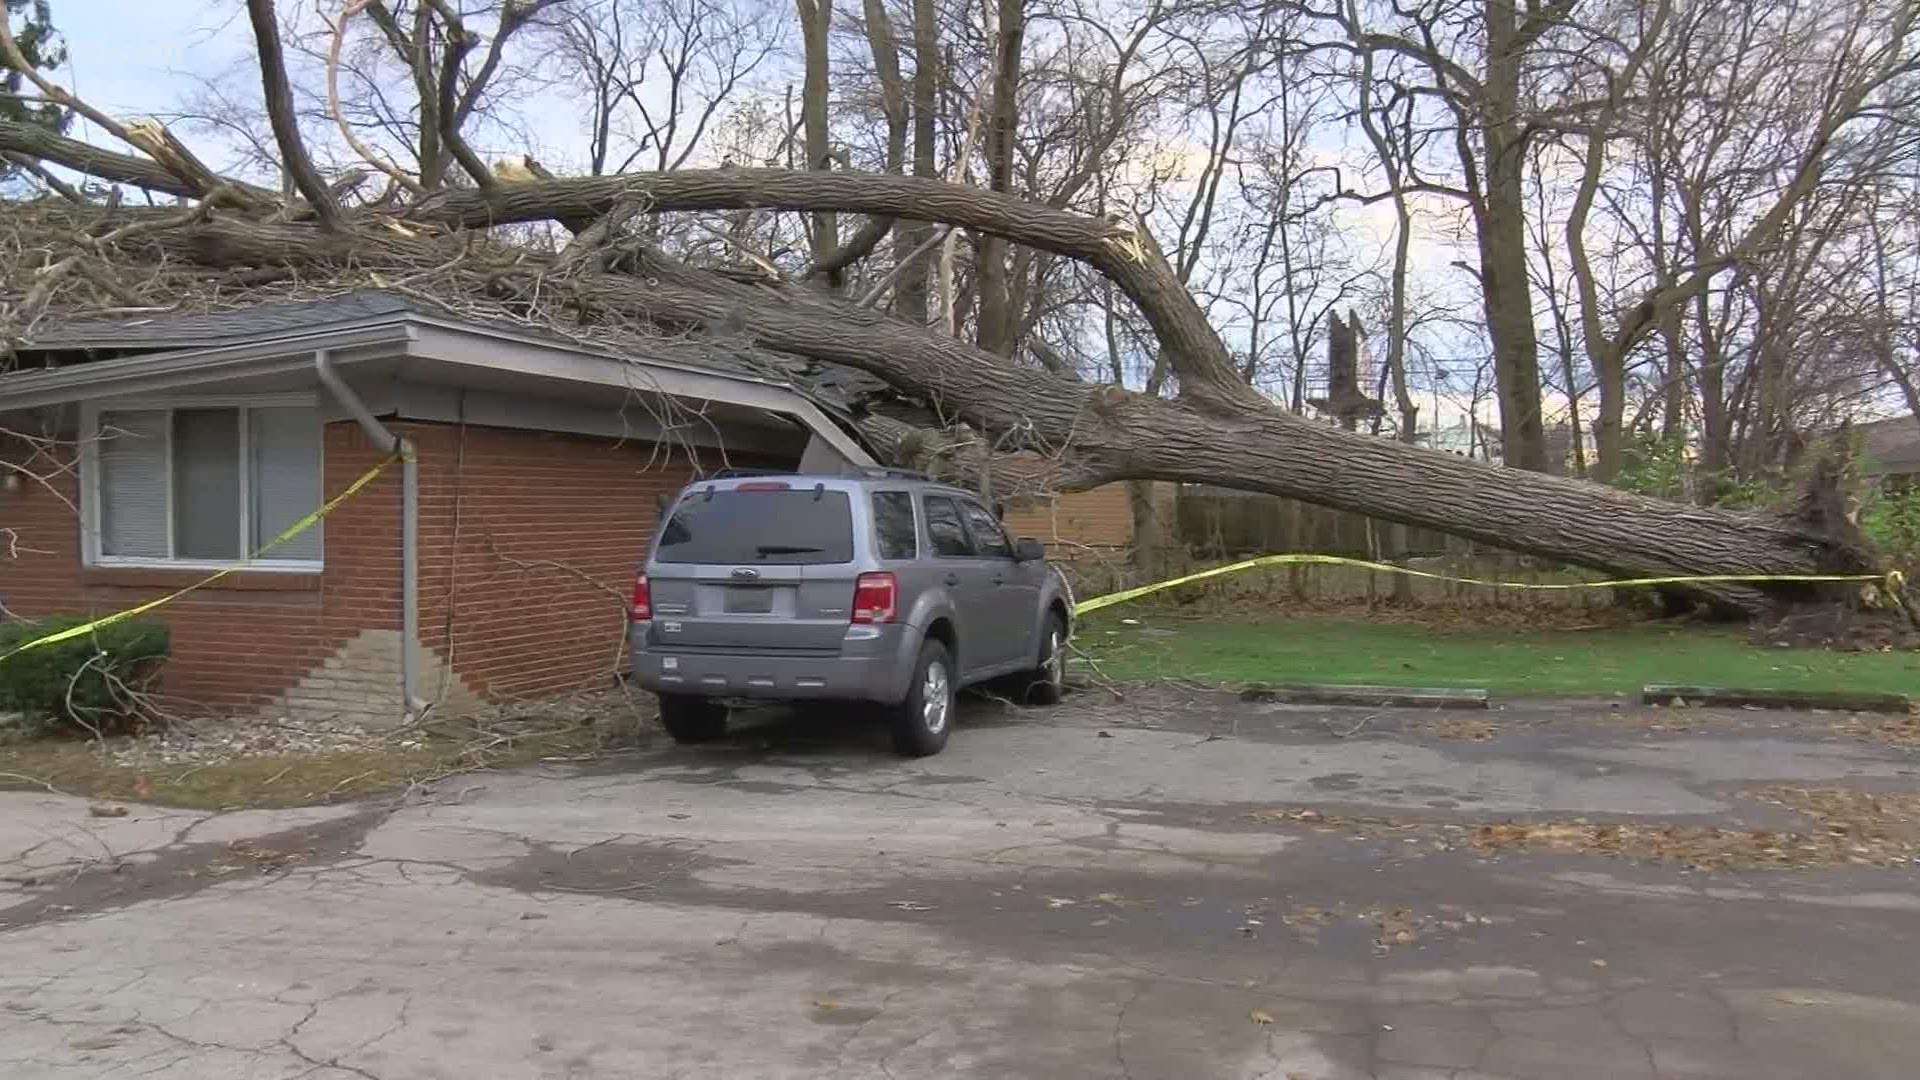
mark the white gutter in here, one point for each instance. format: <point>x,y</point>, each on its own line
<point>389,443</point>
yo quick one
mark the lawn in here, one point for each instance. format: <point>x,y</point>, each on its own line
<point>1320,648</point>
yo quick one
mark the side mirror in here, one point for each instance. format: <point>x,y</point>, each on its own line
<point>1027,549</point>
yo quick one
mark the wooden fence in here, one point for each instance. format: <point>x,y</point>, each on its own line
<point>1215,525</point>
<point>1220,523</point>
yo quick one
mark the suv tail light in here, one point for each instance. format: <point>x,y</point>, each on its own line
<point>876,598</point>
<point>640,608</point>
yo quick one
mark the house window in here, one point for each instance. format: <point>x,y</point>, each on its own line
<point>203,483</point>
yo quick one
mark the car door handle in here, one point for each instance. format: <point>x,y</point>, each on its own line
<point>953,579</point>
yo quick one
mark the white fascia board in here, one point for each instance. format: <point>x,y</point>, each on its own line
<point>161,373</point>
<point>461,345</point>
<point>425,338</point>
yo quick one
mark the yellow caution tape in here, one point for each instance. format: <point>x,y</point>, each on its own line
<point>1890,581</point>
<point>286,534</point>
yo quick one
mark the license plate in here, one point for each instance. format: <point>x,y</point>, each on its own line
<point>748,601</point>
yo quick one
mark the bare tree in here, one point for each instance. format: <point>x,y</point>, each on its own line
<point>655,73</point>
<point>1202,422</point>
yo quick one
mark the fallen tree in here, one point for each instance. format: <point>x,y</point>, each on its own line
<point>610,280</point>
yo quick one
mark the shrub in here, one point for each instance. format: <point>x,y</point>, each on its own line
<point>1892,521</point>
<point>83,682</point>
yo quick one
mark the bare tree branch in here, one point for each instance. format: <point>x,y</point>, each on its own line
<point>286,129</point>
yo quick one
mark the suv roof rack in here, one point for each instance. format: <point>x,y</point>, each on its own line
<point>734,474</point>
<point>884,472</point>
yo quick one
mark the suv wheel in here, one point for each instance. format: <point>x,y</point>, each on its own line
<point>920,723</point>
<point>692,719</point>
<point>1047,683</point>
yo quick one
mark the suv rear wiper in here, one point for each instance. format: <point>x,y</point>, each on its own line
<point>765,550</point>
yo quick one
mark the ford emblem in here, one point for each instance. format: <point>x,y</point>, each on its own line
<point>746,573</point>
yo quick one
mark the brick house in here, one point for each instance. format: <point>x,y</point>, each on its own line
<point>150,453</point>
<point>1095,524</point>
<point>1890,452</point>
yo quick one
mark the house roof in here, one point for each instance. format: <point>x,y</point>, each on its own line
<point>831,385</point>
<point>1891,445</point>
<point>222,327</point>
<point>369,328</point>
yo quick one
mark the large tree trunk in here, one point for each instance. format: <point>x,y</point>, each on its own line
<point>1216,431</point>
<point>910,297</point>
<point>1500,226</point>
<point>999,315</point>
<point>816,20</point>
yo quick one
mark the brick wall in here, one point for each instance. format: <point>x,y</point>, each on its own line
<point>238,644</point>
<point>531,541</point>
<point>1099,518</point>
<point>528,539</point>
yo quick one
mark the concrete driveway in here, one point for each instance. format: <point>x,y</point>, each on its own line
<point>1157,888</point>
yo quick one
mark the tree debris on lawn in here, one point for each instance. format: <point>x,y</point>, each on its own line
<point>1847,828</point>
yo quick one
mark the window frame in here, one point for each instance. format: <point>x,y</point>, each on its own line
<point>90,510</point>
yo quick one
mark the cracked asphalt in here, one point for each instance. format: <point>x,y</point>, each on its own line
<point>1154,888</point>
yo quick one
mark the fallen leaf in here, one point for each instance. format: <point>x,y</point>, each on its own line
<point>823,1003</point>
<point>1260,1016</point>
<point>1059,902</point>
<point>1105,735</point>
<point>1400,927</point>
<point>679,817</point>
<point>527,916</point>
<point>107,811</point>
<point>909,905</point>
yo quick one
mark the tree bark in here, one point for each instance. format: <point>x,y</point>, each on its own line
<point>910,299</point>
<point>995,329</point>
<point>816,19</point>
<point>1501,232</point>
<point>34,141</point>
<point>280,113</point>
<point>1125,253</point>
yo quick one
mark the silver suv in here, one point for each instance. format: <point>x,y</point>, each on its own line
<point>884,588</point>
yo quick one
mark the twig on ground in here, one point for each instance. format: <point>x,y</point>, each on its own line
<point>35,781</point>
<point>1355,729</point>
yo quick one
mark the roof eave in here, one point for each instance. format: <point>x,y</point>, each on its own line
<point>425,337</point>
<point>186,368</point>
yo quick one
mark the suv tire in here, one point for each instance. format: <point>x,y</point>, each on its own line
<point>1047,684</point>
<point>920,723</point>
<point>692,719</point>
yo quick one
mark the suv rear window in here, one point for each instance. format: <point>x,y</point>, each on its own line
<point>785,527</point>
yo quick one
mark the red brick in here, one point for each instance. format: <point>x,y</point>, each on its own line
<point>517,632</point>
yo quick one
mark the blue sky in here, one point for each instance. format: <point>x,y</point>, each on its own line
<point>138,56</point>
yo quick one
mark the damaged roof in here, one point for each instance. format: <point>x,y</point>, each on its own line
<point>724,350</point>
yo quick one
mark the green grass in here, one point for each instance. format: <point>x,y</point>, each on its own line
<point>1280,648</point>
